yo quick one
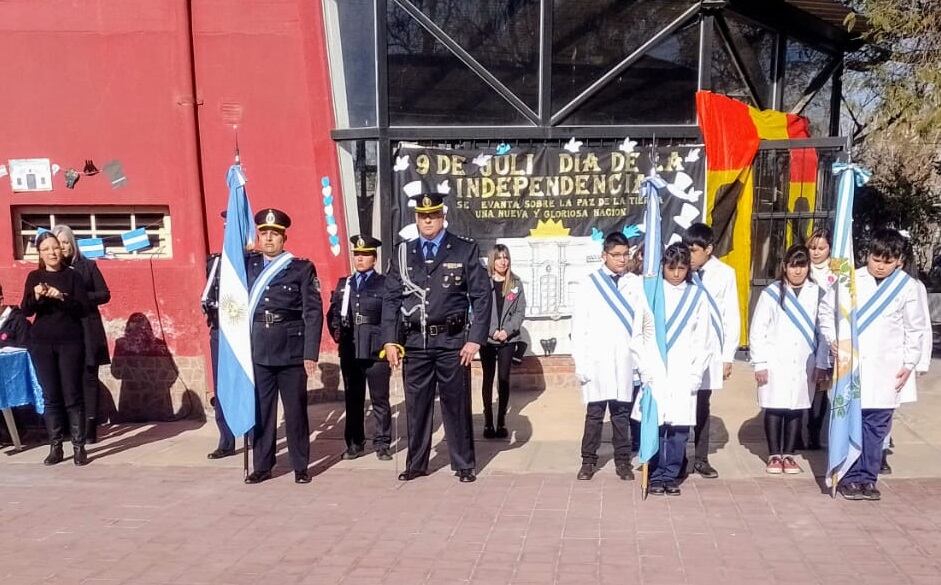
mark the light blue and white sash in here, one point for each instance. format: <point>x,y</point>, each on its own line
<point>264,279</point>
<point>885,294</point>
<point>795,312</point>
<point>715,315</point>
<point>684,310</point>
<point>615,300</point>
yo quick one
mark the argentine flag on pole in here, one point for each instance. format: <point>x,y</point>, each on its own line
<point>846,419</point>
<point>236,383</point>
<point>653,290</point>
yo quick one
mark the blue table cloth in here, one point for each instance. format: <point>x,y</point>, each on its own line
<point>18,383</point>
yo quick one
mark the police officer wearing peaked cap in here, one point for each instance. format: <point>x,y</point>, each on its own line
<point>286,331</point>
<point>435,282</point>
<point>354,319</point>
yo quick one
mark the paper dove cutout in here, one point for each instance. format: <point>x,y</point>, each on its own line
<point>631,231</point>
<point>693,155</point>
<point>687,214</point>
<point>412,188</point>
<point>680,187</point>
<point>641,227</point>
<point>401,163</point>
<point>674,238</point>
<point>409,232</point>
<point>597,235</point>
<point>503,148</point>
<point>573,145</point>
<point>628,145</point>
<point>482,159</point>
<point>444,187</point>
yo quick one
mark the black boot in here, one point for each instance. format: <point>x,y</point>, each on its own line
<point>77,425</point>
<point>79,457</point>
<point>55,454</point>
<point>91,431</point>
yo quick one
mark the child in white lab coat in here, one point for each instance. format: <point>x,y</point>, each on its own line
<point>790,317</point>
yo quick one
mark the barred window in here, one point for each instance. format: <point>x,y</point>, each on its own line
<point>105,222</point>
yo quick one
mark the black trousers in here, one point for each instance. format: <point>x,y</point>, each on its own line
<point>60,369</point>
<point>816,416</point>
<point>782,428</point>
<point>291,382</point>
<point>496,359</point>
<point>877,423</point>
<point>90,392</point>
<point>620,425</point>
<point>357,374</point>
<point>703,407</point>
<point>424,370</point>
<point>666,465</point>
<point>226,438</point>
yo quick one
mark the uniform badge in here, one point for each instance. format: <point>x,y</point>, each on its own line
<point>361,243</point>
<point>453,265</point>
<point>446,281</point>
<point>270,218</point>
<point>426,201</point>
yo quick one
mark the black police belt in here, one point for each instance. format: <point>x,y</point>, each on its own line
<point>360,319</point>
<point>270,317</point>
<point>451,325</point>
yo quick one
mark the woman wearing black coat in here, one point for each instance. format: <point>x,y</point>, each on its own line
<point>55,295</point>
<point>96,342</point>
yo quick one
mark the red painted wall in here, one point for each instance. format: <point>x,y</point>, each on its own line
<point>112,79</point>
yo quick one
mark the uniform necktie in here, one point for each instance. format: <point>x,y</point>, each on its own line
<point>360,281</point>
<point>615,278</point>
<point>697,276</point>
<point>429,250</point>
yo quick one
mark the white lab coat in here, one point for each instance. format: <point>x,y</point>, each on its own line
<point>675,385</point>
<point>891,342</point>
<point>780,348</point>
<point>719,280</point>
<point>909,392</point>
<point>601,346</point>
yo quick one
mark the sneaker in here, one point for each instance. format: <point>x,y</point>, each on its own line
<point>656,489</point>
<point>704,469</point>
<point>850,491</point>
<point>671,488</point>
<point>870,492</point>
<point>790,466</point>
<point>775,465</point>
<point>624,471</point>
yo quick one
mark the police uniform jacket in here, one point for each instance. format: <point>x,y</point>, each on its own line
<point>96,342</point>
<point>211,303</point>
<point>289,317</point>
<point>358,334</point>
<point>14,328</point>
<point>457,290</point>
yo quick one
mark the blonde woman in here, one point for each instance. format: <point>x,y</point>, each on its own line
<point>506,318</point>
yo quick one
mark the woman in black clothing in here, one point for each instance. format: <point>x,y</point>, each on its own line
<point>56,296</point>
<point>506,318</point>
<point>96,343</point>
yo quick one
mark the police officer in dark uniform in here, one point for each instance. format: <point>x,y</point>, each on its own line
<point>210,305</point>
<point>354,319</point>
<point>285,345</point>
<point>434,287</point>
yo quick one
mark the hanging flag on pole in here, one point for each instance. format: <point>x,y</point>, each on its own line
<point>236,379</point>
<point>653,290</point>
<point>846,422</point>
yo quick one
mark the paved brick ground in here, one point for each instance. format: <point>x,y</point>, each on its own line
<point>122,524</point>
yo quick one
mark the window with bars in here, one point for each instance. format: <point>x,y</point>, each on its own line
<point>105,222</point>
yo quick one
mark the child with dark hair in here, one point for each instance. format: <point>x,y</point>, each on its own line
<point>721,291</point>
<point>675,384</point>
<point>791,331</point>
<point>889,325</point>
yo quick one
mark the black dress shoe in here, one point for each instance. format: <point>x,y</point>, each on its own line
<point>656,489</point>
<point>55,455</point>
<point>489,433</point>
<point>870,492</point>
<point>409,475</point>
<point>301,477</point>
<point>704,469</point>
<point>885,468</point>
<point>466,475</point>
<point>502,433</point>
<point>850,491</point>
<point>384,454</point>
<point>91,431</point>
<point>219,454</point>
<point>624,471</point>
<point>671,489</point>
<point>586,471</point>
<point>258,477</point>
<point>353,452</point>
<point>79,457</point>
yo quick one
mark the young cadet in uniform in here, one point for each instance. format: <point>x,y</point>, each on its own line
<point>791,332</point>
<point>690,344</point>
<point>434,281</point>
<point>354,318</point>
<point>285,344</point>
<point>604,319</point>
<point>718,280</point>
<point>889,323</point>
<point>210,306</point>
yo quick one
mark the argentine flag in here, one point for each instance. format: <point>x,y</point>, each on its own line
<point>135,240</point>
<point>91,247</point>
<point>653,289</point>
<point>235,387</point>
<point>846,416</point>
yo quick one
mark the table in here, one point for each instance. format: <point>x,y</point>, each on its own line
<point>18,387</point>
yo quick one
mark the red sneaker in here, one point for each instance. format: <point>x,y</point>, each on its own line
<point>775,465</point>
<point>791,466</point>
